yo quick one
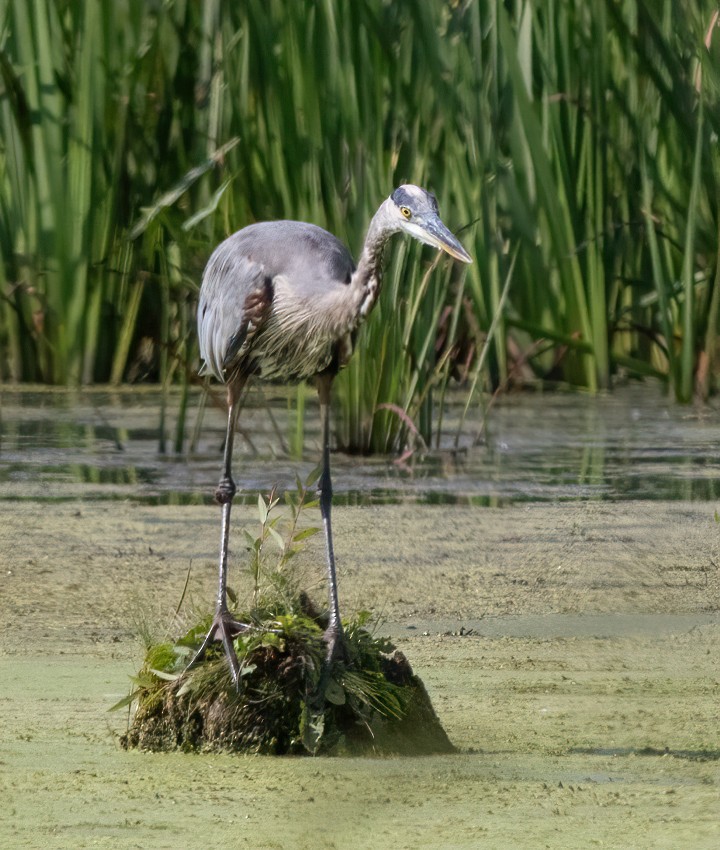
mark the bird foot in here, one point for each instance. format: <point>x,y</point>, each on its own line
<point>223,628</point>
<point>337,650</point>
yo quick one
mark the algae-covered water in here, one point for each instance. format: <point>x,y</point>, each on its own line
<point>555,585</point>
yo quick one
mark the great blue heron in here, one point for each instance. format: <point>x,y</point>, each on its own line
<point>281,301</point>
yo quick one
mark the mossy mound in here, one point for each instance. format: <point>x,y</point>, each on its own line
<point>288,703</point>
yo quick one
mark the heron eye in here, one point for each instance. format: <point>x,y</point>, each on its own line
<point>406,212</point>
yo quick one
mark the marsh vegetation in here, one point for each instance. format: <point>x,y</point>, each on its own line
<point>572,147</point>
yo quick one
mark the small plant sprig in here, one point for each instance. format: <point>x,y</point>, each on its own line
<point>289,538</point>
<point>257,544</point>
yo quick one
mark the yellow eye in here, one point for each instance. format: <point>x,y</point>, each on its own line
<point>406,212</point>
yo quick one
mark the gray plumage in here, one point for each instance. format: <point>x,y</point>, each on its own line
<point>264,290</point>
<point>281,301</point>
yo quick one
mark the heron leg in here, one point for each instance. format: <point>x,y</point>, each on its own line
<point>224,626</point>
<point>334,633</point>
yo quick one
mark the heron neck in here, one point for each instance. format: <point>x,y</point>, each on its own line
<point>368,275</point>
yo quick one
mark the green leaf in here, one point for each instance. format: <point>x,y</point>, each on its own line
<point>270,639</point>
<point>186,181</point>
<point>125,701</point>
<point>306,532</point>
<point>186,687</point>
<point>247,669</point>
<point>335,693</point>
<point>312,726</point>
<point>262,509</point>
<point>210,208</point>
<point>277,537</point>
<point>162,674</point>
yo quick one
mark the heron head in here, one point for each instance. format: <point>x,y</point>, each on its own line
<point>415,211</point>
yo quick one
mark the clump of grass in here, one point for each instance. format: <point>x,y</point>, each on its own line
<point>286,702</point>
<point>289,700</point>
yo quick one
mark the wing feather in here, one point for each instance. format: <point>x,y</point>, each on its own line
<point>235,297</point>
<point>274,300</point>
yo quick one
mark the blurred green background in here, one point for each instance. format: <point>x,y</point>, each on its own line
<point>572,146</point>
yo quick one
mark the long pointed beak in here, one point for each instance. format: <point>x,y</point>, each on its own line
<point>435,233</point>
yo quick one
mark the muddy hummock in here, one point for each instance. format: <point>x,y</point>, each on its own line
<point>288,701</point>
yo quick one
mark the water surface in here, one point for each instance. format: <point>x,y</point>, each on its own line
<point>101,443</point>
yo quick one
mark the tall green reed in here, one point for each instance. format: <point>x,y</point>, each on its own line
<point>92,118</point>
<point>582,140</point>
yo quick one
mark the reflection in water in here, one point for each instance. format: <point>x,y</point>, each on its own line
<point>103,444</point>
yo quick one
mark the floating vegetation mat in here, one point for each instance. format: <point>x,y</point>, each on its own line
<point>370,702</point>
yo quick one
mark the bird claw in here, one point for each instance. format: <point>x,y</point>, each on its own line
<point>225,629</point>
<point>334,638</point>
<point>337,650</point>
